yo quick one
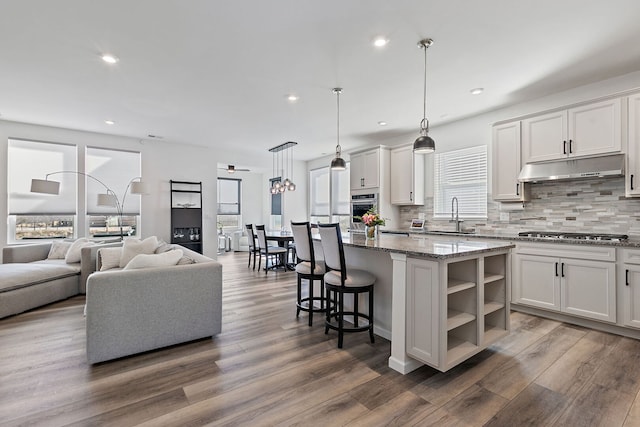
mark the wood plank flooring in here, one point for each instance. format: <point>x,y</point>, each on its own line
<point>269,368</point>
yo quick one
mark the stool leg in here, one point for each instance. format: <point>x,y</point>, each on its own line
<point>328,311</point>
<point>371,316</point>
<point>340,319</point>
<point>310,301</point>
<point>355,309</point>
<point>299,297</point>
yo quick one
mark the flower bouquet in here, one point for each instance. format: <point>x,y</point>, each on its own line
<point>371,221</point>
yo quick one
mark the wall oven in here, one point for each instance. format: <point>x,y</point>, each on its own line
<point>360,204</point>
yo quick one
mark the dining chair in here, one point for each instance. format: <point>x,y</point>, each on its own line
<point>340,280</point>
<point>273,252</point>
<point>307,268</point>
<point>253,247</point>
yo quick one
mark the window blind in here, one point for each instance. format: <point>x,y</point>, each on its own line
<point>116,169</point>
<point>229,196</point>
<point>340,192</point>
<point>319,191</point>
<point>34,159</point>
<point>462,174</point>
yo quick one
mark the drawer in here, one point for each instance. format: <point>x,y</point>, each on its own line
<point>631,256</point>
<point>587,252</point>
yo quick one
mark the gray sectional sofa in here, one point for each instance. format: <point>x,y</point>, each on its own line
<point>132,311</point>
<point>29,280</point>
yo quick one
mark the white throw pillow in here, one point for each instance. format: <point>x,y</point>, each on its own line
<point>133,247</point>
<point>155,260</point>
<point>74,252</point>
<point>59,250</point>
<point>109,258</point>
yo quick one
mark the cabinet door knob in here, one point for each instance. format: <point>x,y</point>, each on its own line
<point>626,277</point>
<point>632,181</point>
<point>564,147</point>
<point>556,269</point>
<point>570,149</point>
<point>562,270</point>
<point>517,189</point>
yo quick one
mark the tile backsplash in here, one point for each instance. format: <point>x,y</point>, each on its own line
<point>582,205</point>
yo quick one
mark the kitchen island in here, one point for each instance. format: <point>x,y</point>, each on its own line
<point>438,299</point>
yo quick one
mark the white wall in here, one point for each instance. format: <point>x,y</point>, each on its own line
<point>161,162</point>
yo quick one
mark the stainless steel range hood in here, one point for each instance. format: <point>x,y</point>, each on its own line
<point>592,167</point>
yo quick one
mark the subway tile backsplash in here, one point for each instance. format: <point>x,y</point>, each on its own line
<point>584,205</point>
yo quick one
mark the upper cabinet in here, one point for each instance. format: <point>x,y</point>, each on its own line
<point>506,164</point>
<point>407,176</point>
<point>585,130</point>
<point>632,184</point>
<point>365,169</point>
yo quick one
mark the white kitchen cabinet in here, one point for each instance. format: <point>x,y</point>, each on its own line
<point>407,176</point>
<point>365,169</point>
<point>507,164</point>
<point>576,280</point>
<point>585,130</point>
<point>456,308</point>
<point>630,288</point>
<point>632,181</point>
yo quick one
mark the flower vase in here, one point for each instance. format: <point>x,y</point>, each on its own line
<point>371,231</point>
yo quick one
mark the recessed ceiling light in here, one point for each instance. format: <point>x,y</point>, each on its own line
<point>110,59</point>
<point>292,98</point>
<point>477,91</point>
<point>380,41</point>
<point>110,122</point>
<point>382,123</point>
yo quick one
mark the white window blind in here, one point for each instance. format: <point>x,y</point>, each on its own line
<point>229,196</point>
<point>31,159</point>
<point>319,191</point>
<point>461,174</point>
<point>340,192</point>
<point>116,169</point>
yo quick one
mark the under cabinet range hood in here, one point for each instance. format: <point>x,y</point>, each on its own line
<point>592,167</point>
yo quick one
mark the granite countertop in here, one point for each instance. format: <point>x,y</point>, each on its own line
<point>633,242</point>
<point>429,246</point>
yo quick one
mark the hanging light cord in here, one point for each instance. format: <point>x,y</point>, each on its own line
<point>424,124</point>
<point>338,148</point>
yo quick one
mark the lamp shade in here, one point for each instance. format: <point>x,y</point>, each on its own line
<point>105,199</point>
<point>139,187</point>
<point>338,164</point>
<point>424,144</point>
<point>45,186</point>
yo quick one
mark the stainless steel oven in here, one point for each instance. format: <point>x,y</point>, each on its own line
<point>360,204</point>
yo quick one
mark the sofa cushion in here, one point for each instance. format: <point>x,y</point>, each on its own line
<point>109,258</point>
<point>19,275</point>
<point>74,252</point>
<point>133,247</point>
<point>155,260</point>
<point>59,250</point>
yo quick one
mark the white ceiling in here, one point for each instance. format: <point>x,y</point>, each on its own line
<point>214,72</point>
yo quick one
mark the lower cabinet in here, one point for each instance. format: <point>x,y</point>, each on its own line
<point>571,279</point>
<point>631,288</point>
<point>456,308</point>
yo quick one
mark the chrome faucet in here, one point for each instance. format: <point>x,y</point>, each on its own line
<point>455,218</point>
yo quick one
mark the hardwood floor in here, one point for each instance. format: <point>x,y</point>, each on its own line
<point>269,368</point>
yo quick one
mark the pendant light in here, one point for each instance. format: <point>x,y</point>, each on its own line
<point>338,163</point>
<point>280,163</point>
<point>424,143</point>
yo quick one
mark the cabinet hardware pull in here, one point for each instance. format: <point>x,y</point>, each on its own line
<point>411,196</point>
<point>626,277</point>
<point>632,181</point>
<point>564,147</point>
<point>562,270</point>
<point>361,182</point>
<point>556,269</point>
<point>517,189</point>
<point>570,149</point>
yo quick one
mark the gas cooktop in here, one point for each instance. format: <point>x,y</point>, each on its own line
<point>579,236</point>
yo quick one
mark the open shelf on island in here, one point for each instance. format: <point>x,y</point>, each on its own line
<point>491,306</point>
<point>457,318</point>
<point>490,277</point>
<point>455,285</point>
<point>458,348</point>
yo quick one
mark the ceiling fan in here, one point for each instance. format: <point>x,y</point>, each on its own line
<point>232,169</point>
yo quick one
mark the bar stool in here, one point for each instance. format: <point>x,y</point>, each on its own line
<point>269,251</point>
<point>253,247</point>
<point>307,268</point>
<point>340,280</point>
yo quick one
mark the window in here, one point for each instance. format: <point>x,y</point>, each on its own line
<point>319,195</point>
<point>116,169</point>
<point>341,198</point>
<point>329,193</point>
<point>461,174</point>
<point>229,196</point>
<point>40,216</point>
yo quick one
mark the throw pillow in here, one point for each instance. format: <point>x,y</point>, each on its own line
<point>74,254</point>
<point>163,247</point>
<point>133,247</point>
<point>154,260</point>
<point>185,260</point>
<point>58,250</point>
<point>109,258</point>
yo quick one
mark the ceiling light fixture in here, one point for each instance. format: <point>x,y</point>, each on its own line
<point>110,122</point>
<point>110,59</point>
<point>292,98</point>
<point>382,123</point>
<point>278,158</point>
<point>338,163</point>
<point>424,143</point>
<point>477,91</point>
<point>380,41</point>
